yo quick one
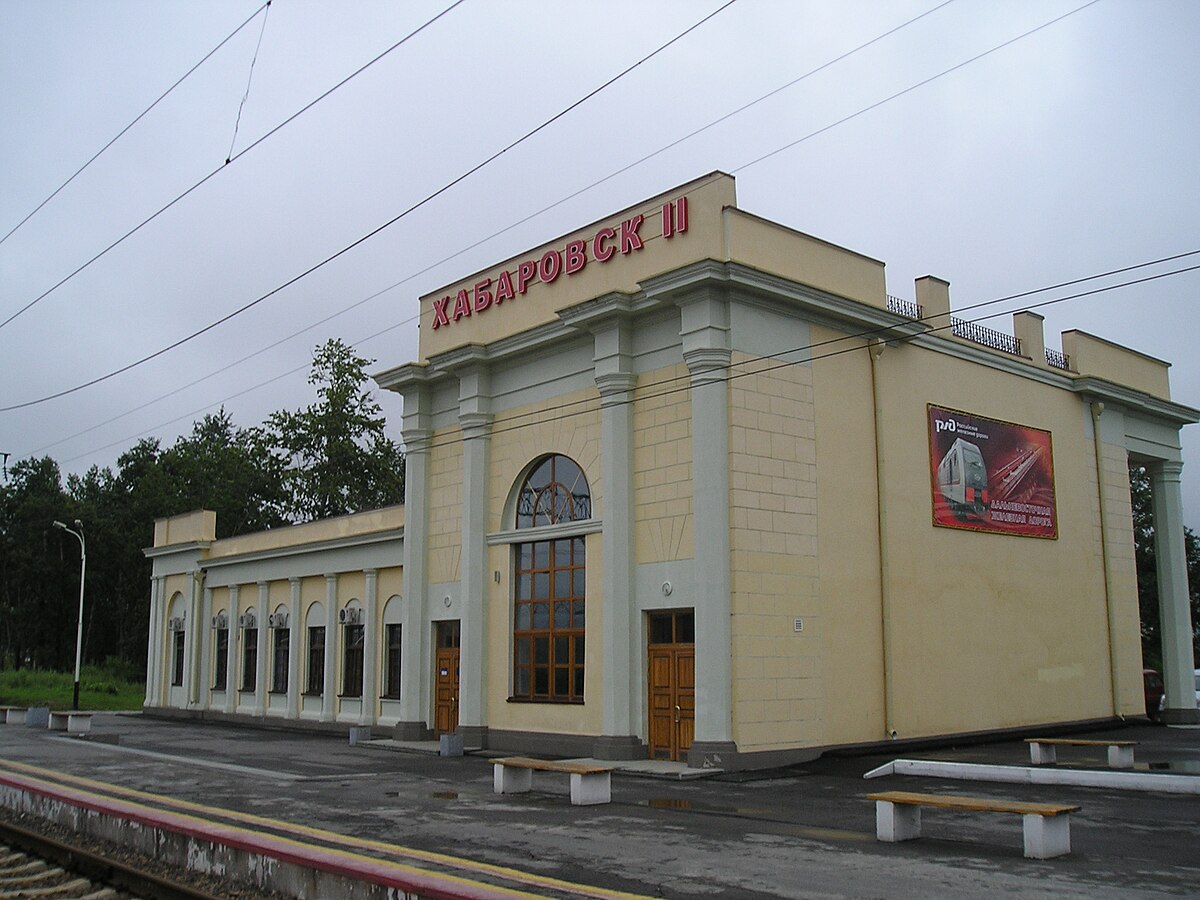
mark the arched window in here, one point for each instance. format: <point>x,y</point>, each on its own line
<point>550,592</point>
<point>555,491</point>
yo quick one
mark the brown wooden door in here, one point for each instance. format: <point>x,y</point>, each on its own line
<point>445,678</point>
<point>672,687</point>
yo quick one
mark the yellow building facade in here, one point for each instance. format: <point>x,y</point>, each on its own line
<point>688,484</point>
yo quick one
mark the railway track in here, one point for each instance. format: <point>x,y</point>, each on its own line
<point>35,865</point>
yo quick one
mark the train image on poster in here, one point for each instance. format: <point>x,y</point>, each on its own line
<point>989,475</point>
<point>962,478</point>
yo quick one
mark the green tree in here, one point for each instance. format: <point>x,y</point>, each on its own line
<point>335,455</point>
<point>1147,571</point>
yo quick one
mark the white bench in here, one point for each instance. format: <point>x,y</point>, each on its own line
<point>12,715</point>
<point>70,722</point>
<point>1047,826</point>
<point>1042,752</point>
<point>589,784</point>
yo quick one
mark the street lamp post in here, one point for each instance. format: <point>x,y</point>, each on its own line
<point>79,629</point>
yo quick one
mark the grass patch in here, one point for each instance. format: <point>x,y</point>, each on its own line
<point>100,688</point>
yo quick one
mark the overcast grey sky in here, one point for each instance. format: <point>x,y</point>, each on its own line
<point>1067,153</point>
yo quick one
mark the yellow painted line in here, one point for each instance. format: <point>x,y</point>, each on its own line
<point>504,872</point>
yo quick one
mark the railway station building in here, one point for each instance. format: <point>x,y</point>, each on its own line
<point>689,484</point>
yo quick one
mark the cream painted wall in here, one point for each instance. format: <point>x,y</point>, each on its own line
<point>778,696</point>
<point>445,506</point>
<point>662,462</point>
<point>1034,608</point>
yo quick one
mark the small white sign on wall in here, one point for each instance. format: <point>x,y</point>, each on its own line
<point>798,625</point>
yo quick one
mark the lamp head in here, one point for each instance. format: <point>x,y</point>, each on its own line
<point>58,524</point>
<point>78,524</point>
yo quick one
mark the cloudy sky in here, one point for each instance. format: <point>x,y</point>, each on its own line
<point>1068,151</point>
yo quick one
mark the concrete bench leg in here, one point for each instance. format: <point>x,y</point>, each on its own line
<point>511,780</point>
<point>1047,836</point>
<point>1120,757</point>
<point>897,821</point>
<point>15,717</point>
<point>79,724</point>
<point>589,789</point>
<point>1042,754</point>
<point>59,721</point>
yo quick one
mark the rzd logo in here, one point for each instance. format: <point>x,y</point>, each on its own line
<point>949,425</point>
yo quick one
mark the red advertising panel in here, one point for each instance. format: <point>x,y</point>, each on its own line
<point>991,476</point>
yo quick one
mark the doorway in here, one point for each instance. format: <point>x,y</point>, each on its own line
<point>671,651</point>
<point>445,677</point>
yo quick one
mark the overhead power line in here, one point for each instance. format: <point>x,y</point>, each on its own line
<point>249,79</point>
<point>131,232</point>
<point>137,119</point>
<point>250,305</point>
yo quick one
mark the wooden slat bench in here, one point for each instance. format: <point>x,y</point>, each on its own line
<point>70,721</point>
<point>1041,750</point>
<point>589,784</point>
<point>1047,826</point>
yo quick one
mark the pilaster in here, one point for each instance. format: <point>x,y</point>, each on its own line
<point>622,682</point>
<point>704,328</point>
<point>154,648</point>
<point>1173,607</point>
<point>260,674</point>
<point>203,630</point>
<point>416,652</point>
<point>332,641</point>
<point>475,419</point>
<point>370,686</point>
<point>296,649</point>
<point>231,661</point>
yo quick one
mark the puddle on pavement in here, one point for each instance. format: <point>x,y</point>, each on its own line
<point>445,795</point>
<point>1178,766</point>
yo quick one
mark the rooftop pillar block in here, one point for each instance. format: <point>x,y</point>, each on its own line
<point>933,296</point>
<point>1027,326</point>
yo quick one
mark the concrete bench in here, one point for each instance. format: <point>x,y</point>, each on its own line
<point>589,784</point>
<point>12,715</point>
<point>1047,826</point>
<point>71,722</point>
<point>1042,750</point>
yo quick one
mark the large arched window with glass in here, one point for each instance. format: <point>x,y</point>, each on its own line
<point>550,595</point>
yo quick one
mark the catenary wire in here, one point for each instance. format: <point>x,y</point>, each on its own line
<point>128,234</point>
<point>249,80</point>
<point>550,206</point>
<point>489,237</point>
<point>682,383</point>
<point>590,404</point>
<point>223,319</point>
<point>139,117</point>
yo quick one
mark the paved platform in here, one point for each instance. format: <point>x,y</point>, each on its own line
<point>807,831</point>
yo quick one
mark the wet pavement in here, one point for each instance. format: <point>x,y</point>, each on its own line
<point>805,831</point>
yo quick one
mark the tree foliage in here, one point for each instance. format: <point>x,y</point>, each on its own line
<point>330,458</point>
<point>1147,571</point>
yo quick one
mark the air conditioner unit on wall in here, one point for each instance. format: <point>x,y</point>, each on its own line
<point>349,616</point>
<point>219,621</point>
<point>175,623</point>
<point>246,620</point>
<point>277,620</point>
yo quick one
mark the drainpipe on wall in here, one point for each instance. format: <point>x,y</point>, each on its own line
<point>875,350</point>
<point>1097,411</point>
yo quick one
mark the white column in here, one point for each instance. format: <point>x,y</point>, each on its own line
<point>231,660</point>
<point>704,327</point>
<point>154,643</point>
<point>260,675</point>
<point>475,419</point>
<point>296,650</point>
<point>1173,608</point>
<point>191,635</point>
<point>371,615</point>
<point>203,641</point>
<point>416,659</point>
<point>622,682</point>
<point>329,693</point>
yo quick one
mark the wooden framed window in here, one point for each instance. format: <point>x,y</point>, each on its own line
<point>550,594</point>
<point>392,674</point>
<point>352,660</point>
<point>316,660</point>
<point>221,660</point>
<point>249,659</point>
<point>279,659</point>
<point>177,668</point>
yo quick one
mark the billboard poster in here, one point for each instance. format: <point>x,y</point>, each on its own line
<point>989,475</point>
